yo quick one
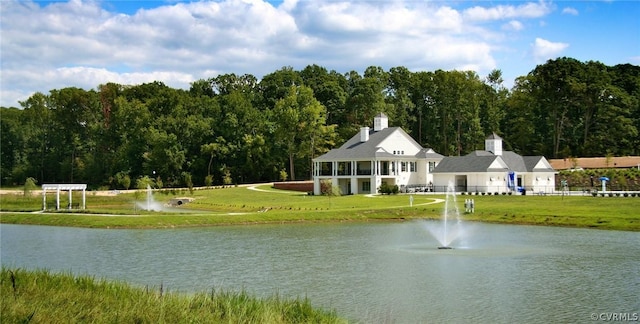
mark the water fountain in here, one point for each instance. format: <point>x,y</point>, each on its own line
<point>450,229</point>
<point>150,204</point>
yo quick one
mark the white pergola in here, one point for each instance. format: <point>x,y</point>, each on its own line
<point>63,187</point>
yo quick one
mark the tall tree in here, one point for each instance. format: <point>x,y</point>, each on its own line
<point>300,122</point>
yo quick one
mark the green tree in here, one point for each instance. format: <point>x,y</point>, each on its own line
<point>300,122</point>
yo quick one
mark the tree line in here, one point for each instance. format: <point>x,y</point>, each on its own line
<point>238,129</point>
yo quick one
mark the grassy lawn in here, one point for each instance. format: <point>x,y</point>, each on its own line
<point>241,205</point>
<point>42,297</point>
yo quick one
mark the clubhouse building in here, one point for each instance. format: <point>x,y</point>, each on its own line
<point>389,155</point>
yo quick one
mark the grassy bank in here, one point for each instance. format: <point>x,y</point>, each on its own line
<point>241,205</point>
<point>42,297</point>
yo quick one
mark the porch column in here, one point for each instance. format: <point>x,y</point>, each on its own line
<point>316,186</point>
<point>58,198</point>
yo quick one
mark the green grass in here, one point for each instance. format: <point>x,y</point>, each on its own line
<point>42,297</point>
<point>239,205</point>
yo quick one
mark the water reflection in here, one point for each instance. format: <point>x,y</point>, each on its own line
<point>382,272</point>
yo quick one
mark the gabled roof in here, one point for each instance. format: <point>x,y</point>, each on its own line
<point>473,162</point>
<point>354,149</point>
<point>538,164</point>
<point>429,153</point>
<point>483,161</point>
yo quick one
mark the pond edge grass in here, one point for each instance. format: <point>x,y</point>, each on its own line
<point>39,296</point>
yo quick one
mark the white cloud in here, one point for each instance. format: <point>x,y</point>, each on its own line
<point>513,25</point>
<point>543,49</point>
<point>570,11</point>
<point>81,44</point>
<point>526,10</point>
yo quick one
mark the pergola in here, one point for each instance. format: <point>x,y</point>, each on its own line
<point>63,187</point>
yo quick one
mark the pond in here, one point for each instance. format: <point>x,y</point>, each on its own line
<point>368,272</point>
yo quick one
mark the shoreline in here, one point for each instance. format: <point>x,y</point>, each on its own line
<point>240,222</point>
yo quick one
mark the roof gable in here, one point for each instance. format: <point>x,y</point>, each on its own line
<point>538,163</point>
<point>354,148</point>
<point>483,161</point>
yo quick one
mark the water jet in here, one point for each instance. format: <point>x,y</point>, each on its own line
<point>150,204</point>
<point>450,229</point>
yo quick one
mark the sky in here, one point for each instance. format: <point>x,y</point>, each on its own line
<point>46,45</point>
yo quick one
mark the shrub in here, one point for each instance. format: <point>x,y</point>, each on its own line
<point>208,180</point>
<point>29,185</point>
<point>386,189</point>
<point>283,175</point>
<point>328,189</point>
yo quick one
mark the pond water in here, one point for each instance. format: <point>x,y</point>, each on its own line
<point>367,272</point>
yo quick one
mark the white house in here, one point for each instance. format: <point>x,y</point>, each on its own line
<point>495,170</point>
<point>373,156</point>
<point>390,155</point>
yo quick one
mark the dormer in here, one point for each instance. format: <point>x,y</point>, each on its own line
<point>493,144</point>
<point>380,122</point>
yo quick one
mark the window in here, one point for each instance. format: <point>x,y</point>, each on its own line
<point>432,165</point>
<point>403,166</point>
<point>412,166</point>
<point>366,186</point>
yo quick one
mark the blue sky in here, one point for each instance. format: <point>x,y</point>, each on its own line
<point>49,45</point>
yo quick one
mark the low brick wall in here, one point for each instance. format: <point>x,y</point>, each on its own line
<point>304,186</point>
